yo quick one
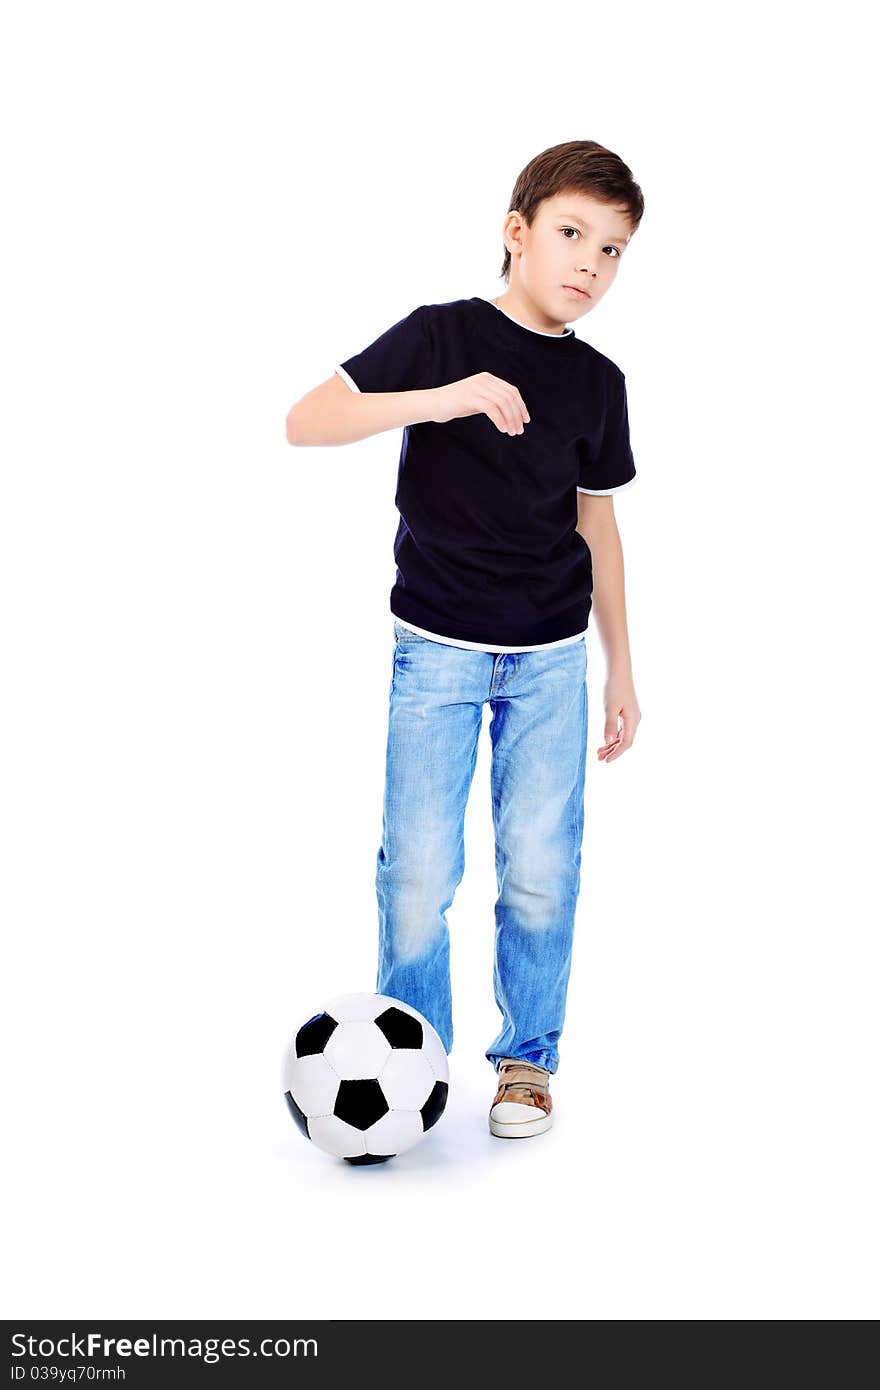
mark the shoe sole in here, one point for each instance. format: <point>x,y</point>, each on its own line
<point>519,1130</point>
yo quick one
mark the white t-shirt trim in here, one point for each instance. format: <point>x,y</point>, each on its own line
<point>605,491</point>
<point>485,646</point>
<point>347,379</point>
<point>540,331</point>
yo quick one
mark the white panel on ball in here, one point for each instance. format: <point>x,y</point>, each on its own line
<point>357,1051</point>
<point>336,1137</point>
<point>394,1133</point>
<point>357,1008</point>
<point>435,1053</point>
<point>406,1079</point>
<point>314,1083</point>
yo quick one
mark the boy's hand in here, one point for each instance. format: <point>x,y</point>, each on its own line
<point>620,702</point>
<point>482,394</point>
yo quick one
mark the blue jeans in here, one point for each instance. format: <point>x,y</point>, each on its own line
<point>539,741</point>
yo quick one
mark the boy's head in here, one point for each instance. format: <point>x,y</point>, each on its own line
<point>573,210</point>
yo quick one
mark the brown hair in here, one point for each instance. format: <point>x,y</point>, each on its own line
<point>578,166</point>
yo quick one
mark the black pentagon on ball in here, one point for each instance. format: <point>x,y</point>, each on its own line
<point>401,1030</point>
<point>360,1103</point>
<point>299,1117</point>
<point>370,1158</point>
<point>435,1104</point>
<point>313,1037</point>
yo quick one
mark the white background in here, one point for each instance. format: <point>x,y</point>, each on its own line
<point>207,208</point>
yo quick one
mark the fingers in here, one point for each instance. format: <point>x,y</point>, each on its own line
<point>508,420</point>
<point>609,751</point>
<point>506,408</point>
<point>617,744</point>
<point>504,425</point>
<point>613,750</point>
<point>510,416</point>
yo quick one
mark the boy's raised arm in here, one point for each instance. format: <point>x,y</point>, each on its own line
<point>334,414</point>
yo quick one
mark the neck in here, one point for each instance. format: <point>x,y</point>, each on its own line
<point>521,308</point>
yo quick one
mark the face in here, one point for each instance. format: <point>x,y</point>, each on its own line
<point>574,241</point>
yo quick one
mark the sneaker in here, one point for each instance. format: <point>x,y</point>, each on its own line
<point>522,1104</point>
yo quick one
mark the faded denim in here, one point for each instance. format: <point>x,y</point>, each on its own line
<point>539,738</point>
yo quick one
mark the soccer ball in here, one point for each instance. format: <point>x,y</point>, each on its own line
<point>366,1078</point>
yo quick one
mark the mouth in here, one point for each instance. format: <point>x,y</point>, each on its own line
<point>582,294</point>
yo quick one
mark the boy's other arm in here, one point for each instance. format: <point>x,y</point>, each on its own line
<point>598,526</point>
<point>334,414</point>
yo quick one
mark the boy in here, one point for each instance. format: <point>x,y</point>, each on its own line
<point>515,440</point>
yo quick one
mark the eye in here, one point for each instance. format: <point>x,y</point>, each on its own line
<point>615,249</point>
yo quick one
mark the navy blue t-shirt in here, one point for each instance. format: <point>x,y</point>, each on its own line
<point>487,551</point>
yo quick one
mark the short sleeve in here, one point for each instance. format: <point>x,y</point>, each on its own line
<point>608,465</point>
<point>399,360</point>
